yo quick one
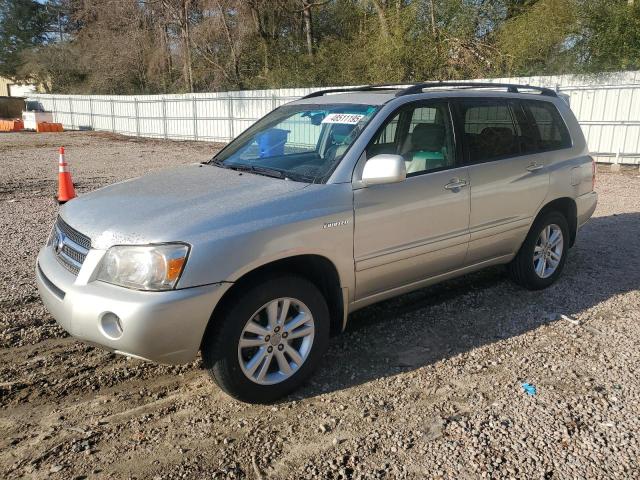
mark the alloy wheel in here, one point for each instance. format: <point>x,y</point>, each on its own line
<point>548,251</point>
<point>276,341</point>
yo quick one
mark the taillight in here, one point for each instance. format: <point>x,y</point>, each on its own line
<point>593,174</point>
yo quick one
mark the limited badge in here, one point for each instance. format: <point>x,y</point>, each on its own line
<point>338,223</point>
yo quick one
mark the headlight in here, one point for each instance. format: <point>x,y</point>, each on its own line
<point>149,267</point>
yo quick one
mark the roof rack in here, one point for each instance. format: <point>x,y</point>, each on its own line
<point>511,87</point>
<point>364,88</point>
<point>419,87</point>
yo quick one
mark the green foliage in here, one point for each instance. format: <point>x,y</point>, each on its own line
<point>131,46</point>
<point>610,35</point>
<point>55,67</point>
<point>535,41</point>
<point>23,24</point>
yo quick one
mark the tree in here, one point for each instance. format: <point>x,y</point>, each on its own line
<point>219,43</point>
<point>23,24</point>
<point>609,37</point>
<point>150,46</point>
<point>307,8</point>
<point>57,68</point>
<point>538,39</point>
<point>183,13</point>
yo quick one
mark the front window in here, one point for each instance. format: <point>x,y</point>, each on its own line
<point>300,142</point>
<point>422,133</point>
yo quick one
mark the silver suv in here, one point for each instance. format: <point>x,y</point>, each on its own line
<point>328,204</point>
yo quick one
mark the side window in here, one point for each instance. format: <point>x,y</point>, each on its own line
<point>385,142</point>
<point>389,133</point>
<point>527,134</point>
<point>422,135</point>
<point>489,130</point>
<point>423,115</point>
<point>547,125</point>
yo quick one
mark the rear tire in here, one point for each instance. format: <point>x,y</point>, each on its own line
<point>542,256</point>
<point>276,356</point>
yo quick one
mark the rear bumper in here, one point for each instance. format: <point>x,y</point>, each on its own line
<point>165,327</point>
<point>586,205</point>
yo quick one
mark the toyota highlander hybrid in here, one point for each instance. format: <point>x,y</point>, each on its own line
<point>328,204</point>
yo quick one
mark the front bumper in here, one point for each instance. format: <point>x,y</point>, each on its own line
<point>165,327</point>
<point>586,205</point>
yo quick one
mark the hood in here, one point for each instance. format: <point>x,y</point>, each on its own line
<point>171,205</point>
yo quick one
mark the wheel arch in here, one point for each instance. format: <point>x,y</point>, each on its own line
<point>318,269</point>
<point>567,206</point>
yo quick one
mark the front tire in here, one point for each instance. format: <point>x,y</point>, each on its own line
<point>267,339</point>
<point>542,256</point>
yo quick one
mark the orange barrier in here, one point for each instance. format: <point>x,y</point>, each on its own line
<point>42,127</point>
<point>65,186</point>
<point>11,125</point>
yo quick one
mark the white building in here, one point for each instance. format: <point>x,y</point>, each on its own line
<point>9,88</point>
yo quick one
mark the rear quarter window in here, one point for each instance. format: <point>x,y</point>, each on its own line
<point>547,126</point>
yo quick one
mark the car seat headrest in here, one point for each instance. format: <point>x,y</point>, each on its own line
<point>428,136</point>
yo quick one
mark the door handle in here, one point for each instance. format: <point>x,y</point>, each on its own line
<point>535,167</point>
<point>455,184</point>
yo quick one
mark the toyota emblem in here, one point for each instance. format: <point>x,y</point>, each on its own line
<point>60,242</point>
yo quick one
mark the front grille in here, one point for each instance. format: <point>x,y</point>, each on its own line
<point>74,255</point>
<point>73,234</point>
<point>70,246</point>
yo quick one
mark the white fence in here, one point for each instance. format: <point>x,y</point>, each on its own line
<point>217,117</point>
<point>607,107</point>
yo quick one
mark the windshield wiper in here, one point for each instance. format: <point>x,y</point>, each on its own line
<point>300,177</point>
<point>216,162</point>
<point>267,172</point>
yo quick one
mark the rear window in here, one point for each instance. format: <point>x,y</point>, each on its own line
<point>546,125</point>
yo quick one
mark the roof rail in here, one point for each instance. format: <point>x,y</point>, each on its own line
<point>364,88</point>
<point>419,87</point>
<point>511,87</point>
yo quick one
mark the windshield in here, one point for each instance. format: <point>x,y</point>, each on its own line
<point>300,142</point>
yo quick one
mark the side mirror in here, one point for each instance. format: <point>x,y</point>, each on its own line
<point>384,168</point>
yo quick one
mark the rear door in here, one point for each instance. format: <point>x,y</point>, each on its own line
<point>508,183</point>
<point>412,230</point>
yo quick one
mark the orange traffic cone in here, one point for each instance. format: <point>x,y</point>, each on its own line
<point>65,185</point>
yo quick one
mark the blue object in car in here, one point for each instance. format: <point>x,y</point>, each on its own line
<point>271,143</point>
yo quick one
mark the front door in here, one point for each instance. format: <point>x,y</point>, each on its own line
<point>412,230</point>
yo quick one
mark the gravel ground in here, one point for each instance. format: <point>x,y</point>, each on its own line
<point>427,385</point>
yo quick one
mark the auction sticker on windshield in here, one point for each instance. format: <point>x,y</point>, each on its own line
<point>348,118</point>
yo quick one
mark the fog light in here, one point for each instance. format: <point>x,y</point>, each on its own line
<point>111,325</point>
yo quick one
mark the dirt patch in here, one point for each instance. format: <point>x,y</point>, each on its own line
<point>426,385</point>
